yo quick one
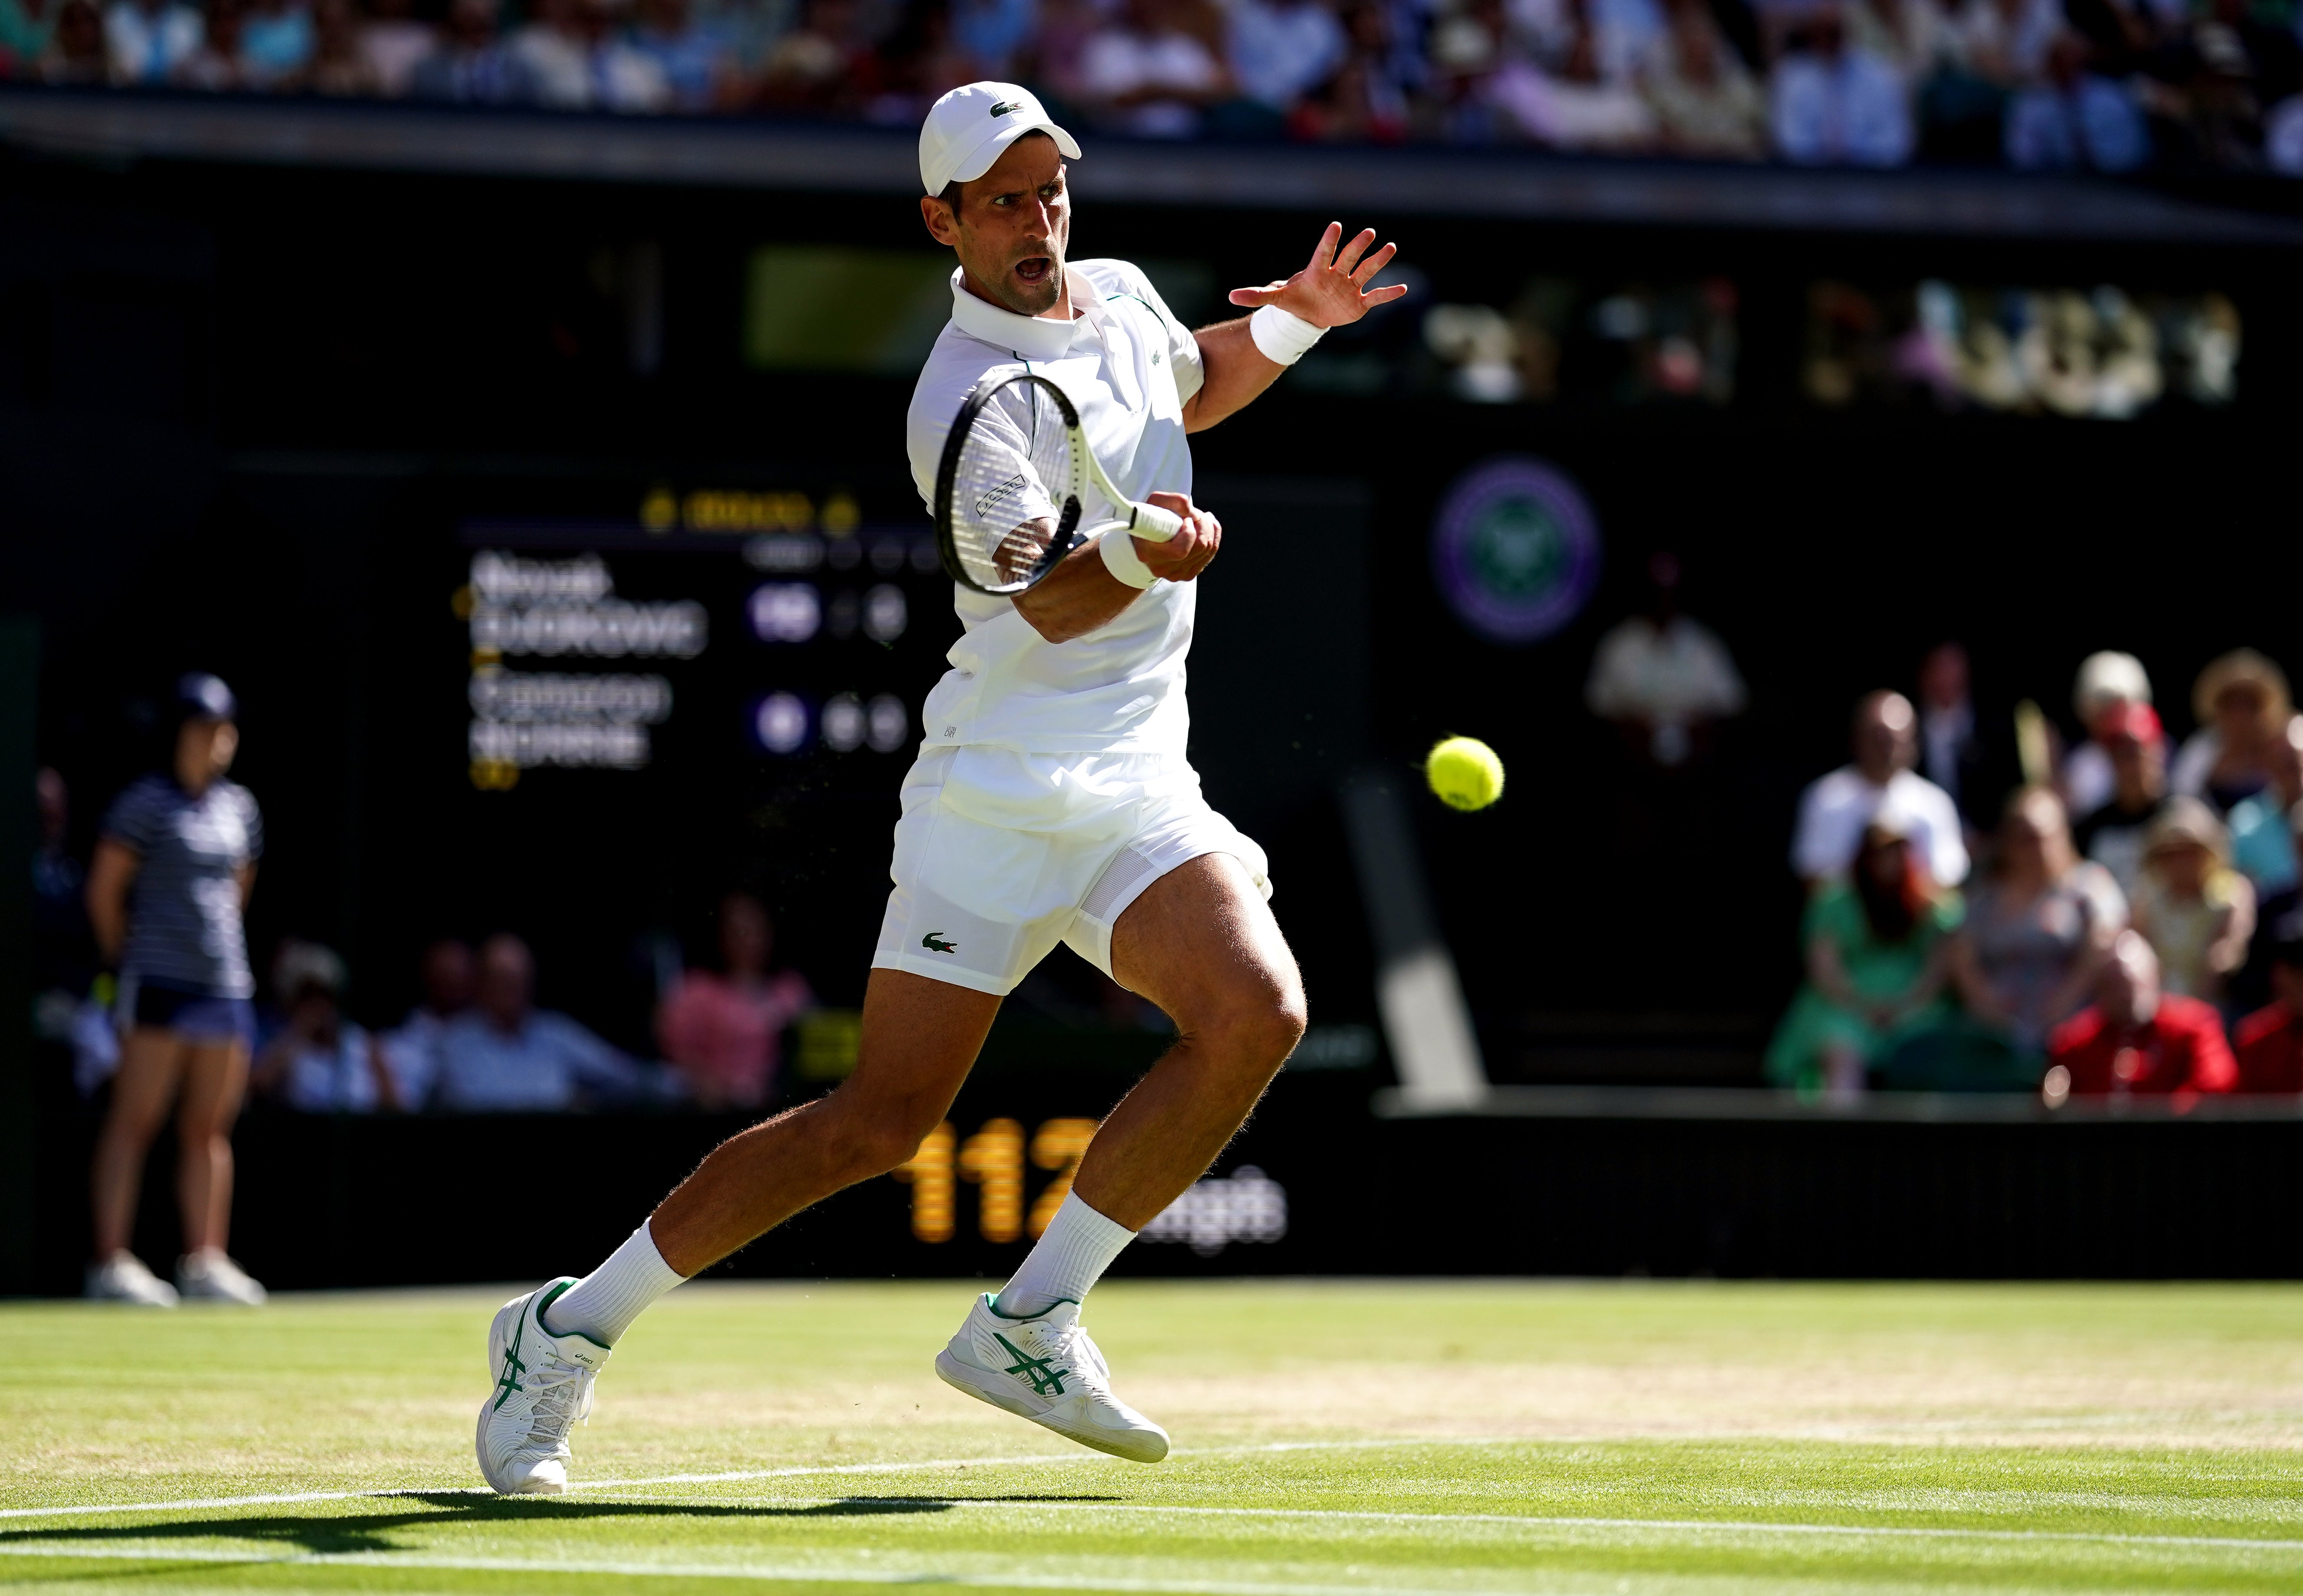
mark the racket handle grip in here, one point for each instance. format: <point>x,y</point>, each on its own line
<point>1152,524</point>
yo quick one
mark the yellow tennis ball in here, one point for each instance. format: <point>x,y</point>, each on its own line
<point>1465,773</point>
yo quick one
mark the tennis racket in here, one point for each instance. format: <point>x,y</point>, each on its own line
<point>1011,487</point>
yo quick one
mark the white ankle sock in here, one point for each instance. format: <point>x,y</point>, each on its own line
<point>603,1303</point>
<point>1079,1246</point>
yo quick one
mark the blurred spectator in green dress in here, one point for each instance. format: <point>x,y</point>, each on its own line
<point>1878,961</point>
<point>26,29</point>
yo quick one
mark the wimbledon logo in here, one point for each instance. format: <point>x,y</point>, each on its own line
<point>1515,549</point>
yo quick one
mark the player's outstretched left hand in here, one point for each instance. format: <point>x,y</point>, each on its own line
<point>1333,290</point>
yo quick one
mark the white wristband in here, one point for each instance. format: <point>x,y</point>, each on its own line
<point>1121,560</point>
<point>1282,335</point>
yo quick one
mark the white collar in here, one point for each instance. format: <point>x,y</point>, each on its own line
<point>1028,337</point>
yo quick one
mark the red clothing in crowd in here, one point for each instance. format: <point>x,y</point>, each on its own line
<point>2271,1050</point>
<point>722,1033</point>
<point>2180,1049</point>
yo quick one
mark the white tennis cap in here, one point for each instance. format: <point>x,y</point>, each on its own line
<point>966,130</point>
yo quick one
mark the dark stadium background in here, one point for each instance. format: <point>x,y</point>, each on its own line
<point>248,410</point>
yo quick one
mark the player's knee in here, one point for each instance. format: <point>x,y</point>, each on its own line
<point>132,1128</point>
<point>1260,1032</point>
<point>887,1148</point>
<point>873,1143</point>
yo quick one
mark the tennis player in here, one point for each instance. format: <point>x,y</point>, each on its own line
<point>1051,802</point>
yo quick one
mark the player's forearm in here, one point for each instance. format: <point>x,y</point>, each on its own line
<point>1076,598</point>
<point>1235,374</point>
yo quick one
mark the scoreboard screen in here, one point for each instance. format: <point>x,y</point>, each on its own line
<point>624,699</point>
<point>570,671</point>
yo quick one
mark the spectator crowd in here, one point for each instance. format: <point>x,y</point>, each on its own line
<point>2125,919</point>
<point>477,1041</point>
<point>2109,85</point>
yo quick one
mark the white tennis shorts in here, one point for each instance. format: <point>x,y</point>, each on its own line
<point>999,855</point>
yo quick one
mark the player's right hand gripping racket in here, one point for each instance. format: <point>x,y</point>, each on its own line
<point>1009,491</point>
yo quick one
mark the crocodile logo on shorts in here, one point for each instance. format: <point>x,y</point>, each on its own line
<point>934,943</point>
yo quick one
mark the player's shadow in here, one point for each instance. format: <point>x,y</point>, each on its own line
<point>373,1533</point>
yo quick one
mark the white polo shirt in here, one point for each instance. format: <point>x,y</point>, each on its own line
<point>1835,810</point>
<point>1128,365</point>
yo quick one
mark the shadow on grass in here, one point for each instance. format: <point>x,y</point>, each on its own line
<point>372,1533</point>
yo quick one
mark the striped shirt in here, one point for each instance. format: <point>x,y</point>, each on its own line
<point>183,913</point>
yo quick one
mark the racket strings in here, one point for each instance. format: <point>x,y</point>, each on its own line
<point>1011,486</point>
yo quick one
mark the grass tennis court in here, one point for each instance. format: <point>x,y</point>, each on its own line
<point>1338,1437</point>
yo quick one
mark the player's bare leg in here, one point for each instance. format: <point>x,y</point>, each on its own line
<point>143,1092</point>
<point>215,1080</point>
<point>919,1038</point>
<point>1200,944</point>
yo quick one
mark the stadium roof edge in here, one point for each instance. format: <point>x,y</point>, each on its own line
<point>113,126</point>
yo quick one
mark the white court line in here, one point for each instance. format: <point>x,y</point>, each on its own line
<point>198,1501</point>
<point>352,1496</point>
<point>1536,1522</point>
<point>765,1572</point>
<point>1523,1521</point>
<point>1727,1526</point>
<point>737,1476</point>
<point>790,1573</point>
<point>731,1476</point>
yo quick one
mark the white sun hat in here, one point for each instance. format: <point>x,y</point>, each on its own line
<point>966,130</point>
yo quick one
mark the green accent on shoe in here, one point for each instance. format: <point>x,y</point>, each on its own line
<point>553,1294</point>
<point>992,1301</point>
<point>1044,1375</point>
<point>509,1382</point>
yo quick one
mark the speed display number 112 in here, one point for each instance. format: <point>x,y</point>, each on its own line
<point>993,1160</point>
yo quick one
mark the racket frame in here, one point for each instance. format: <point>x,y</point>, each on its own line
<point>1147,521</point>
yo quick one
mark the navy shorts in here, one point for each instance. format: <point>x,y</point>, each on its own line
<point>192,1016</point>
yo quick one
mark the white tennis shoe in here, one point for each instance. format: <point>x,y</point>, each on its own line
<point>1046,1368</point>
<point>544,1387</point>
<point>123,1278</point>
<point>210,1275</point>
